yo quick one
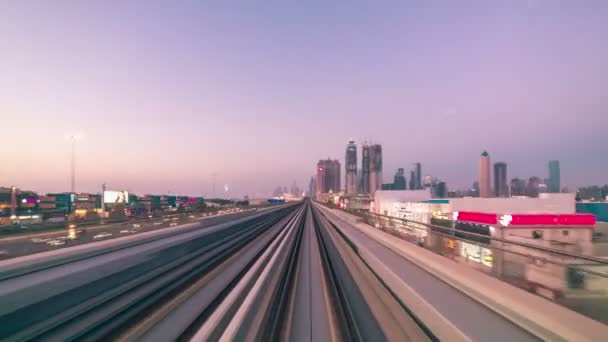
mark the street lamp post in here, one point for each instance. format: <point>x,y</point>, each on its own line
<point>73,164</point>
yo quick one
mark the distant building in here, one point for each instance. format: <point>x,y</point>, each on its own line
<point>518,187</point>
<point>474,191</point>
<point>533,188</point>
<point>592,193</point>
<point>428,181</point>
<point>484,175</point>
<point>365,169</point>
<point>375,174</point>
<point>328,176</point>
<point>417,177</point>
<point>554,176</point>
<point>388,186</point>
<point>501,188</point>
<point>295,190</point>
<point>311,187</point>
<point>412,180</point>
<point>399,183</point>
<point>439,190</point>
<point>350,165</point>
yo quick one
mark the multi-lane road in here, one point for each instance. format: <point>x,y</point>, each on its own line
<point>26,244</point>
<point>294,272</point>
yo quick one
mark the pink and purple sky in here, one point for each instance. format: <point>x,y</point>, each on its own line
<point>166,93</point>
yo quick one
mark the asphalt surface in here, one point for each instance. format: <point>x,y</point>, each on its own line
<point>16,246</point>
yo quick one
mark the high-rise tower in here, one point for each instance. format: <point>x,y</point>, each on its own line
<point>351,167</point>
<point>501,188</point>
<point>554,176</point>
<point>328,176</point>
<point>375,173</point>
<point>484,175</point>
<point>365,168</point>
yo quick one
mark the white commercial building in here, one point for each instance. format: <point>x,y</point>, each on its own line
<point>417,205</point>
<point>386,201</point>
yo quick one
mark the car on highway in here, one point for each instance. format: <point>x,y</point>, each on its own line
<point>173,224</point>
<point>166,219</point>
<point>157,223</point>
<point>102,235</point>
<point>40,240</point>
<point>55,242</point>
<point>129,231</point>
<point>191,216</point>
<point>3,253</point>
<point>136,225</point>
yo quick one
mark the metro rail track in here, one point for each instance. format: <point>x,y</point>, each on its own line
<point>285,274</point>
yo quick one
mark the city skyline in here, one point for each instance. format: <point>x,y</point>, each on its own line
<point>164,96</point>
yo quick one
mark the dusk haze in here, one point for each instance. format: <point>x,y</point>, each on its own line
<point>167,94</point>
<point>307,171</point>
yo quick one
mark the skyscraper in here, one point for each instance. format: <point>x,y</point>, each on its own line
<point>399,182</point>
<point>554,176</point>
<point>484,175</point>
<point>439,189</point>
<point>328,176</point>
<point>311,187</point>
<point>375,172</point>
<point>500,180</point>
<point>365,167</point>
<point>412,180</point>
<point>418,176</point>
<point>351,167</point>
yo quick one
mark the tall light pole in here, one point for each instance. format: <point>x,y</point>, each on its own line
<point>214,175</point>
<point>73,164</point>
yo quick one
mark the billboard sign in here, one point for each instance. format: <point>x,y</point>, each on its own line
<point>116,196</point>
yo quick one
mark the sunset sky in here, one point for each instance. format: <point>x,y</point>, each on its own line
<point>163,94</point>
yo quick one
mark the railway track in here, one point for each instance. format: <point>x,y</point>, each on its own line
<point>285,274</point>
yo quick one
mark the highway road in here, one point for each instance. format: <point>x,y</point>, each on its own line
<point>293,272</point>
<point>26,244</point>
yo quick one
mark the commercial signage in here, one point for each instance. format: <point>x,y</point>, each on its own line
<point>116,196</point>
<point>548,220</point>
<point>527,219</point>
<point>468,216</point>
